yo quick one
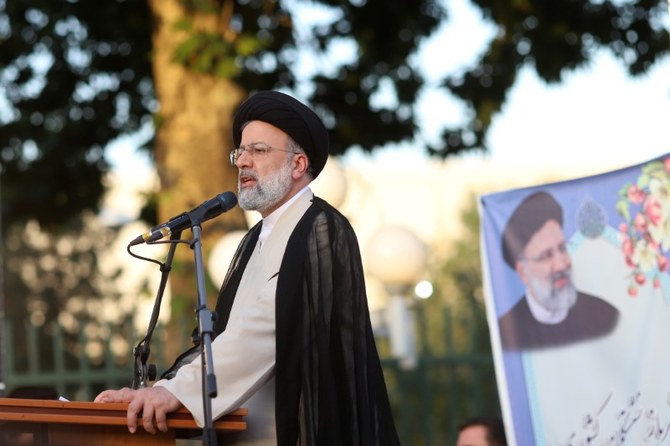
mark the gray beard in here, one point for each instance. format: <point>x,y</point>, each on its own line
<point>267,192</point>
<point>554,300</point>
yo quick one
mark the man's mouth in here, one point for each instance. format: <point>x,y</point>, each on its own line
<point>561,280</point>
<point>560,283</point>
<point>247,181</point>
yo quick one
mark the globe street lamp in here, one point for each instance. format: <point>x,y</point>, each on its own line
<point>397,258</point>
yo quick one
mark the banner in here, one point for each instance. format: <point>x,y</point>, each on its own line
<point>577,290</point>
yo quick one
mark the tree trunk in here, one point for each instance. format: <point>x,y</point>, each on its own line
<point>193,140</point>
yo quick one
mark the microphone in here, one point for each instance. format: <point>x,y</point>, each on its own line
<point>206,211</point>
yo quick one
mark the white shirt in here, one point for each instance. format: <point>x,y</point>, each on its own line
<point>541,314</point>
<point>270,221</point>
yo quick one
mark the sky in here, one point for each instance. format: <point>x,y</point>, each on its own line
<point>598,115</point>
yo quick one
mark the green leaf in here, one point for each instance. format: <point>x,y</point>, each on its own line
<point>622,209</point>
<point>183,24</point>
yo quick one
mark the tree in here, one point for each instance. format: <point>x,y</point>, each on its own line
<point>77,74</point>
<point>199,59</point>
<point>74,77</point>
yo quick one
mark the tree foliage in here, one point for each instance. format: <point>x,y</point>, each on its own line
<point>552,38</point>
<point>77,74</point>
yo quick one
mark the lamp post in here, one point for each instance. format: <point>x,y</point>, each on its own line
<point>397,258</point>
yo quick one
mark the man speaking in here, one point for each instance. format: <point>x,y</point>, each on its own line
<point>294,342</point>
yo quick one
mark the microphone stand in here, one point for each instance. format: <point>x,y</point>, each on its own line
<point>205,320</point>
<point>142,372</point>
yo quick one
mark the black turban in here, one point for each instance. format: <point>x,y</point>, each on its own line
<point>291,116</point>
<point>533,212</point>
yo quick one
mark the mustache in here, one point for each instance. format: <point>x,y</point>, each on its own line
<point>248,173</point>
<point>561,275</point>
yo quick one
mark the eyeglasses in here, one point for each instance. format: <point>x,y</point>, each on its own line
<point>256,150</point>
<point>548,255</point>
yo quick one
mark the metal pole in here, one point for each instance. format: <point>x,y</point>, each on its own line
<point>3,385</point>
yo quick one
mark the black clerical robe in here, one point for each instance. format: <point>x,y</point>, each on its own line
<point>590,318</point>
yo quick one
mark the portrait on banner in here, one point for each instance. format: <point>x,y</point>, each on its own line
<point>577,298</point>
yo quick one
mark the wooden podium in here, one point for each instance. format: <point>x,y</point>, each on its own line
<point>68,423</point>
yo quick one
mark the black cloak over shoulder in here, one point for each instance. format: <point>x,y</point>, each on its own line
<point>330,388</point>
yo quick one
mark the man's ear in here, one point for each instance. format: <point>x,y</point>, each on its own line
<point>300,165</point>
<point>520,268</point>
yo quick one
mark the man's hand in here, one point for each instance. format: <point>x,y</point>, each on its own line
<point>153,403</point>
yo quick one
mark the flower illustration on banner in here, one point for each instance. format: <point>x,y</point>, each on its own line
<point>645,231</point>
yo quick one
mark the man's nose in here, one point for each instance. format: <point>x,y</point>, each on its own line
<point>243,160</point>
<point>561,261</point>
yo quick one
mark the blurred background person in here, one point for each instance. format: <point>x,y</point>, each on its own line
<point>482,431</point>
